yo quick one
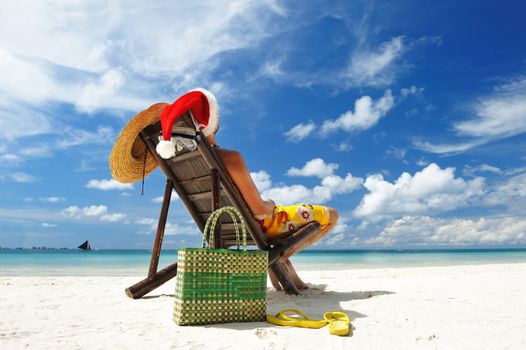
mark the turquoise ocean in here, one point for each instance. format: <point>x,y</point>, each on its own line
<point>68,262</point>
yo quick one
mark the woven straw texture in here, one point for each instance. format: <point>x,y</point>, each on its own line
<point>127,163</point>
<point>220,285</point>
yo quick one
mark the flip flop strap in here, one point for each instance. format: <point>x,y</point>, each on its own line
<point>282,315</point>
<point>335,316</point>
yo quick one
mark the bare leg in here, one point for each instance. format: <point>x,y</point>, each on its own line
<point>333,219</point>
<point>295,278</point>
<point>274,280</point>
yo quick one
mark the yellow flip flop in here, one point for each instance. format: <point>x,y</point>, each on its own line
<point>339,323</point>
<point>281,319</point>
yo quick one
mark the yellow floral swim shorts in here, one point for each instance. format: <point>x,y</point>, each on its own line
<point>285,219</point>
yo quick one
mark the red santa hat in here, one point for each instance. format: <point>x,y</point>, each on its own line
<point>204,108</point>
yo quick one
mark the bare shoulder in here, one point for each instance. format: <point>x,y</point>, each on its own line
<point>226,151</point>
<point>228,154</point>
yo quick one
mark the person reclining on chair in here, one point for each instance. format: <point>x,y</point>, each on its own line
<point>276,221</point>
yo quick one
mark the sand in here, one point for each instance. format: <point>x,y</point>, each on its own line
<point>453,307</point>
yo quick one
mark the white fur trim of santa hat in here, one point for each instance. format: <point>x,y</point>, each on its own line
<point>213,121</point>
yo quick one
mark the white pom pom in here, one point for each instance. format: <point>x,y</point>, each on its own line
<point>166,149</point>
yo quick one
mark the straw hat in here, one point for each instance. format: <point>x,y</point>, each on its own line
<point>127,163</point>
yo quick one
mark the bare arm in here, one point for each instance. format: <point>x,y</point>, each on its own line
<point>238,171</point>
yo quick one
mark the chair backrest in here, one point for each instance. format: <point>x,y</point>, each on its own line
<point>192,173</point>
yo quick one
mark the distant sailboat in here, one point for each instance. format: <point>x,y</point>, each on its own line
<point>85,246</point>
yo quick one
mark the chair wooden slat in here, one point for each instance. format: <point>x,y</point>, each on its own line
<point>205,179</point>
<point>207,195</point>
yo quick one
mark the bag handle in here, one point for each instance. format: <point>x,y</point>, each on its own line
<point>211,223</point>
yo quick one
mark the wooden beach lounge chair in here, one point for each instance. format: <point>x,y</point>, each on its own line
<point>203,185</point>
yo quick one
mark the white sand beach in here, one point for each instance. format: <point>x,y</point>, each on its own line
<point>454,307</point>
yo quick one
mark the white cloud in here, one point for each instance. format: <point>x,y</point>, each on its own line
<point>514,171</point>
<point>89,211</point>
<point>113,217</point>
<point>341,227</point>
<point>421,162</point>
<point>372,68</point>
<point>95,94</point>
<point>431,189</point>
<point>398,153</point>
<point>10,158</point>
<point>412,90</point>
<point>52,199</point>
<point>272,68</point>
<point>146,221</point>
<point>175,229</point>
<point>499,115</point>
<point>496,116</point>
<point>276,7</point>
<point>472,170</point>
<point>23,78</point>
<point>18,121</point>
<point>170,229</point>
<point>330,186</point>
<point>91,214</point>
<point>106,185</point>
<point>425,230</point>
<point>39,151</point>
<point>447,148</point>
<point>366,114</point>
<point>22,177</point>
<point>261,180</point>
<point>368,65</point>
<point>510,192</point>
<point>99,212</point>
<point>104,135</point>
<point>59,55</point>
<point>335,239</point>
<point>300,131</point>
<point>344,147</point>
<point>293,194</point>
<point>76,137</point>
<point>314,167</point>
<point>338,185</point>
<point>173,198</point>
<point>30,214</point>
<point>341,235</point>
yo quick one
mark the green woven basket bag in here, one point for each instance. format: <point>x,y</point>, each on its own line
<point>220,285</point>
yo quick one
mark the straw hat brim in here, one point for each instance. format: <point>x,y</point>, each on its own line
<point>127,163</point>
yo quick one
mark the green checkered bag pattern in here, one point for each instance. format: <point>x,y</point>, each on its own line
<point>220,285</point>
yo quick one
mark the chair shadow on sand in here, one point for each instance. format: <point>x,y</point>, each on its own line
<point>314,302</point>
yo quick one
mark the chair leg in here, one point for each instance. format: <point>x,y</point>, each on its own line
<point>156,278</point>
<point>148,284</point>
<point>156,251</point>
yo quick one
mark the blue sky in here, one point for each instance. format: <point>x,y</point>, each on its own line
<point>408,119</point>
